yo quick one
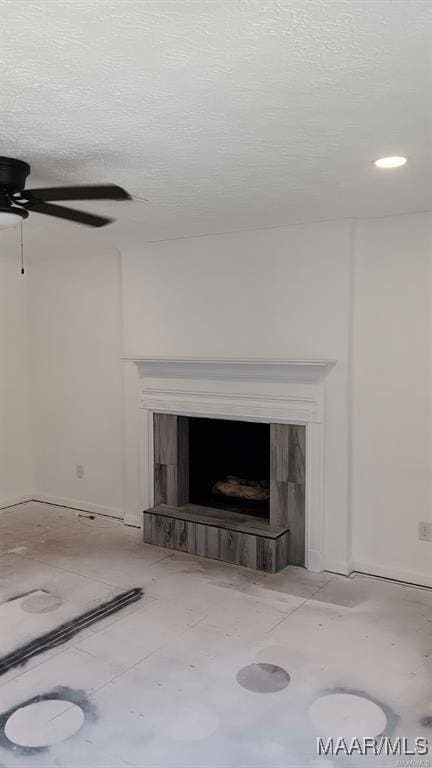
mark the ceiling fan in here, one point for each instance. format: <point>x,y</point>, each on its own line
<point>16,201</point>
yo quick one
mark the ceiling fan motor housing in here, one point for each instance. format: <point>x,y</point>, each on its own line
<point>13,174</point>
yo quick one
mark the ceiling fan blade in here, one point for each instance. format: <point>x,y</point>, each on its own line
<point>71,214</point>
<point>85,192</point>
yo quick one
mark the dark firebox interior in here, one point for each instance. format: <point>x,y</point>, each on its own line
<point>221,448</point>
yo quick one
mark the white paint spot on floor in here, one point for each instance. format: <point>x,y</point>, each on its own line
<point>190,723</point>
<point>44,723</point>
<point>16,550</point>
<point>348,716</point>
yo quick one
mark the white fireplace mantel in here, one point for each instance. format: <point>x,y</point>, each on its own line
<point>266,390</point>
<point>260,369</point>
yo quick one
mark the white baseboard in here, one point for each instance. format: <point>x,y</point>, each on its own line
<point>134,520</point>
<point>11,501</point>
<point>396,574</point>
<point>344,567</point>
<point>80,504</point>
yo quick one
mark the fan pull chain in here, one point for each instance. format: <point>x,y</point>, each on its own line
<point>22,250</point>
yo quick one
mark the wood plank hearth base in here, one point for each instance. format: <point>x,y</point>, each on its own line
<point>218,534</point>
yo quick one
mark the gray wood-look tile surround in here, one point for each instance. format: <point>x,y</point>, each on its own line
<point>171,459</point>
<point>287,485</point>
<point>195,530</point>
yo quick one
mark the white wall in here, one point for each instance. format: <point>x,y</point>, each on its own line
<point>15,437</point>
<point>275,292</point>
<point>272,293</point>
<point>360,293</point>
<point>75,330</point>
<point>392,405</point>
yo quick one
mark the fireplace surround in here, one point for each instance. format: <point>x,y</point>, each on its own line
<point>288,394</point>
<point>230,531</point>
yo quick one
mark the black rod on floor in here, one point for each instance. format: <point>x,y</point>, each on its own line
<point>65,631</point>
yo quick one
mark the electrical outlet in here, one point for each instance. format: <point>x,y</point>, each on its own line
<point>425,531</point>
<point>80,471</point>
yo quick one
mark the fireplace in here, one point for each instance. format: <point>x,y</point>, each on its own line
<point>291,396</point>
<point>229,489</point>
<point>229,465</point>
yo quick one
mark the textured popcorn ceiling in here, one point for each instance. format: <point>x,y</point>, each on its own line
<point>222,114</point>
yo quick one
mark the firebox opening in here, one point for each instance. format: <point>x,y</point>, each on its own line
<point>229,465</point>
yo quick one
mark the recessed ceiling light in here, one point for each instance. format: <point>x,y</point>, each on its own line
<point>390,162</point>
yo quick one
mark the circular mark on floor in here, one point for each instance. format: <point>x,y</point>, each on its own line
<point>12,726</point>
<point>42,602</point>
<point>44,723</point>
<point>190,723</point>
<point>348,715</point>
<point>263,678</point>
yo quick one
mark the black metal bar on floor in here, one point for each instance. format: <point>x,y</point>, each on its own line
<point>65,631</point>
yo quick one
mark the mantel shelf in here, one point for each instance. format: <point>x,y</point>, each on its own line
<point>268,369</point>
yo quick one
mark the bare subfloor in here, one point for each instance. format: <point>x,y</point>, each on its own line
<point>214,666</point>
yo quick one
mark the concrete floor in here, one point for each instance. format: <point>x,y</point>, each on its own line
<point>172,680</point>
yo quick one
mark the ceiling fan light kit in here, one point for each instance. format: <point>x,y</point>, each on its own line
<point>11,217</point>
<point>16,201</point>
